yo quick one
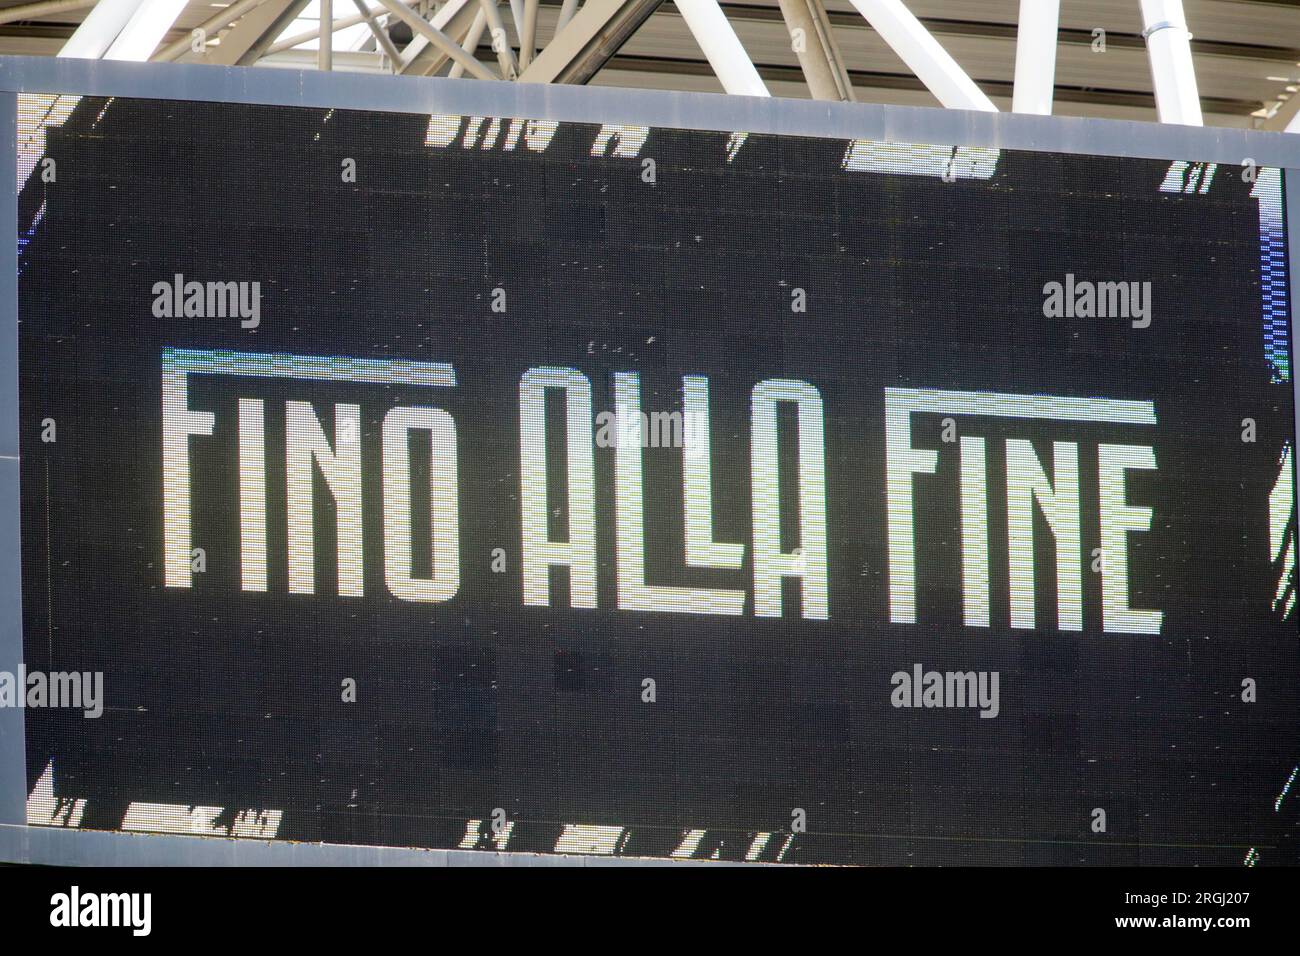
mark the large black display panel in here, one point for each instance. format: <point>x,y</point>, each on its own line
<point>533,486</point>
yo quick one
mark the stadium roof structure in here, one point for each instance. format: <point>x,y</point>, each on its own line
<point>1203,62</point>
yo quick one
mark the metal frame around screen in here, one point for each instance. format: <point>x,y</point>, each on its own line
<point>314,89</point>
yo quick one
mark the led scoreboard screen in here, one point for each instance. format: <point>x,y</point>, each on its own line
<point>522,485</point>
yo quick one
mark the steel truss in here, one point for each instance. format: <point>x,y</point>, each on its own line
<point>492,39</point>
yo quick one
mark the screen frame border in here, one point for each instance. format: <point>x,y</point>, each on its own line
<point>20,843</point>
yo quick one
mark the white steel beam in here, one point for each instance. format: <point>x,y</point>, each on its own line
<point>340,23</point>
<point>1283,117</point>
<point>1170,50</point>
<point>382,39</point>
<point>594,35</point>
<point>145,30</point>
<point>298,39</point>
<point>34,11</point>
<point>472,40</point>
<point>1036,56</point>
<point>500,41</point>
<point>91,40</point>
<point>454,18</point>
<point>210,27</point>
<point>722,48</point>
<point>288,13</point>
<point>1287,117</point>
<point>567,9</point>
<point>251,34</point>
<point>325,43</point>
<point>438,39</point>
<point>819,55</point>
<point>923,55</point>
<point>528,34</point>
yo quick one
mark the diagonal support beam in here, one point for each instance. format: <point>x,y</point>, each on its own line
<point>1169,46</point>
<point>472,40</point>
<point>256,29</point>
<point>819,55</point>
<point>1286,119</point>
<point>722,48</point>
<point>96,34</point>
<point>257,49</point>
<point>1285,116</point>
<point>209,28</point>
<point>923,55</point>
<point>1036,56</point>
<point>591,38</point>
<point>454,18</point>
<point>35,11</point>
<point>298,39</point>
<point>380,34</point>
<point>438,39</point>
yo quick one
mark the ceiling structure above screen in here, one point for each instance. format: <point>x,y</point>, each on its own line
<point>1221,62</point>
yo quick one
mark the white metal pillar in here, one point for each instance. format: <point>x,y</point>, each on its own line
<point>722,48</point>
<point>923,55</point>
<point>145,30</point>
<point>500,41</point>
<point>325,42</point>
<point>1036,56</point>
<point>472,40</point>
<point>1170,50</point>
<point>567,9</point>
<point>100,28</point>
<point>528,34</point>
<point>819,55</point>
